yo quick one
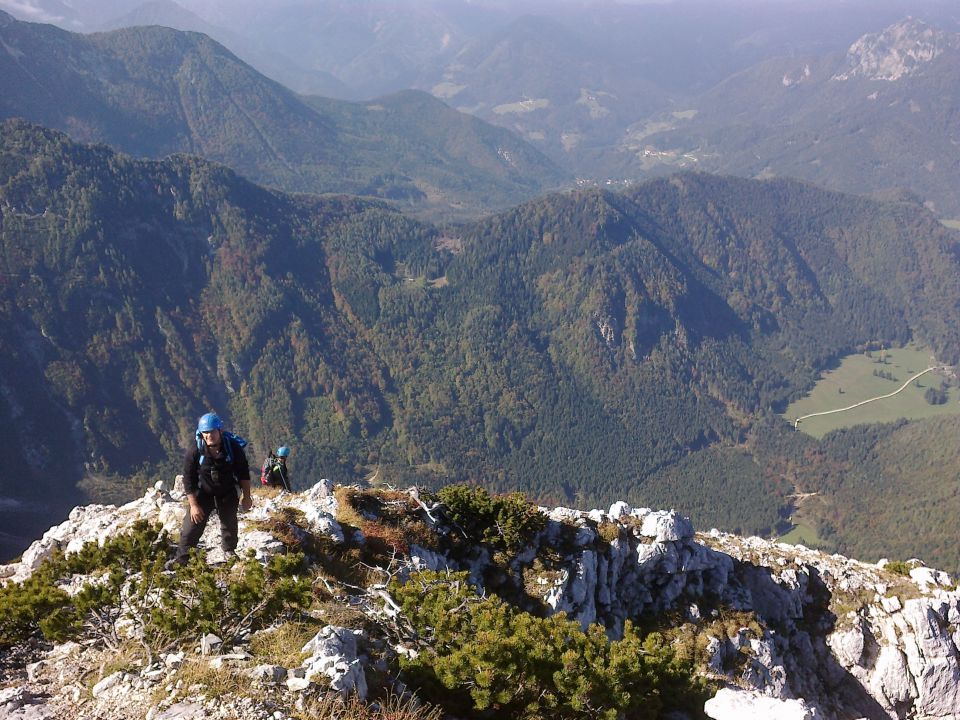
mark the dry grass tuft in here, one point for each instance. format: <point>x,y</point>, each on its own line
<point>342,615</point>
<point>197,676</point>
<point>266,491</point>
<point>333,707</point>
<point>283,644</point>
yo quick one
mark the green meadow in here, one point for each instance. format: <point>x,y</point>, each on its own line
<point>802,534</point>
<point>854,380</point>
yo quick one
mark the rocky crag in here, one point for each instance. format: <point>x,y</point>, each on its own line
<point>782,631</point>
<point>901,50</point>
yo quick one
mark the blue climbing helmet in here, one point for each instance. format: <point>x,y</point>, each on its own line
<point>283,451</point>
<point>211,421</point>
<point>208,422</point>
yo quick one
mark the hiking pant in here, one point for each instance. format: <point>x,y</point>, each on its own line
<point>226,507</point>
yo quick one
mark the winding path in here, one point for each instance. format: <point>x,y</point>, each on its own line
<point>864,402</point>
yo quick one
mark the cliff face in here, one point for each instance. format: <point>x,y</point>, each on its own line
<point>789,632</point>
<point>900,50</point>
<point>849,639</point>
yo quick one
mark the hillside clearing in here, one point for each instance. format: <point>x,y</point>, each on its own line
<point>802,534</point>
<point>854,380</point>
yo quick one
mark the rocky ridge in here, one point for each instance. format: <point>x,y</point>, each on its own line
<point>789,632</point>
<point>897,52</point>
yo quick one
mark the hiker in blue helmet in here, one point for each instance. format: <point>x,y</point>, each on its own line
<point>274,471</point>
<point>216,476</point>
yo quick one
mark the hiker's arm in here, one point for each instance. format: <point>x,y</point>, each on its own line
<point>246,499</point>
<point>191,483</point>
<point>243,474</point>
<point>196,512</point>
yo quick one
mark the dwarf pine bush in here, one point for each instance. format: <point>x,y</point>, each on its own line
<point>126,577</point>
<point>898,567</point>
<point>481,655</point>
<point>230,600</point>
<point>40,604</point>
<point>507,522</point>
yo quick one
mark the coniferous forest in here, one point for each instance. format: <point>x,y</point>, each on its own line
<point>584,347</point>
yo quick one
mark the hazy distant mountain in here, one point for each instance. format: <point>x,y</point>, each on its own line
<point>153,91</point>
<point>550,84</point>
<point>268,61</point>
<point>570,77</point>
<point>879,117</point>
<point>596,62</point>
<point>85,16</point>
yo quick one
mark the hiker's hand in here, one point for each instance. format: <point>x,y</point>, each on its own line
<point>246,502</point>
<point>196,513</point>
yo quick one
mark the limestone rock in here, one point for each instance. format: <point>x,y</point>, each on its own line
<point>267,673</point>
<point>929,576</point>
<point>333,652</point>
<point>107,683</point>
<point>729,704</point>
<point>618,510</point>
<point>667,526</point>
<point>183,711</point>
<point>901,50</point>
<point>210,644</point>
<point>848,645</point>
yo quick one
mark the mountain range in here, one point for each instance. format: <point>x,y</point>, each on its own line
<point>611,93</point>
<point>582,346</point>
<point>408,293</point>
<point>874,119</point>
<point>153,91</point>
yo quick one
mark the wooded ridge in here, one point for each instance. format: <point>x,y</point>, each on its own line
<point>584,346</point>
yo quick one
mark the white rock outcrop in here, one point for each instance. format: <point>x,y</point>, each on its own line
<point>730,704</point>
<point>900,50</point>
<point>838,636</point>
<point>813,635</point>
<point>333,653</point>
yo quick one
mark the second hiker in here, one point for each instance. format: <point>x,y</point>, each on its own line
<point>274,471</point>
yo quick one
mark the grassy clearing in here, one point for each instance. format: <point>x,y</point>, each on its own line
<point>802,534</point>
<point>523,106</point>
<point>854,381</point>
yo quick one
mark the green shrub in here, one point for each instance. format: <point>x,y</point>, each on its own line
<point>481,655</point>
<point>38,604</point>
<point>128,577</point>
<point>507,522</point>
<point>230,600</point>
<point>898,567</point>
<point>608,531</point>
<point>24,606</point>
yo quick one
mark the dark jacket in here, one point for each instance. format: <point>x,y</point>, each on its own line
<point>278,475</point>
<point>217,477</point>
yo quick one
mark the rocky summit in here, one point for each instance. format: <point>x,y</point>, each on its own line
<point>773,630</point>
<point>900,50</point>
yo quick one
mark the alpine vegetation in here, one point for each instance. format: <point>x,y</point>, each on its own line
<point>352,602</point>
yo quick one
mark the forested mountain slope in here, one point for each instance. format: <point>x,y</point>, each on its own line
<point>576,347</point>
<point>153,91</point>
